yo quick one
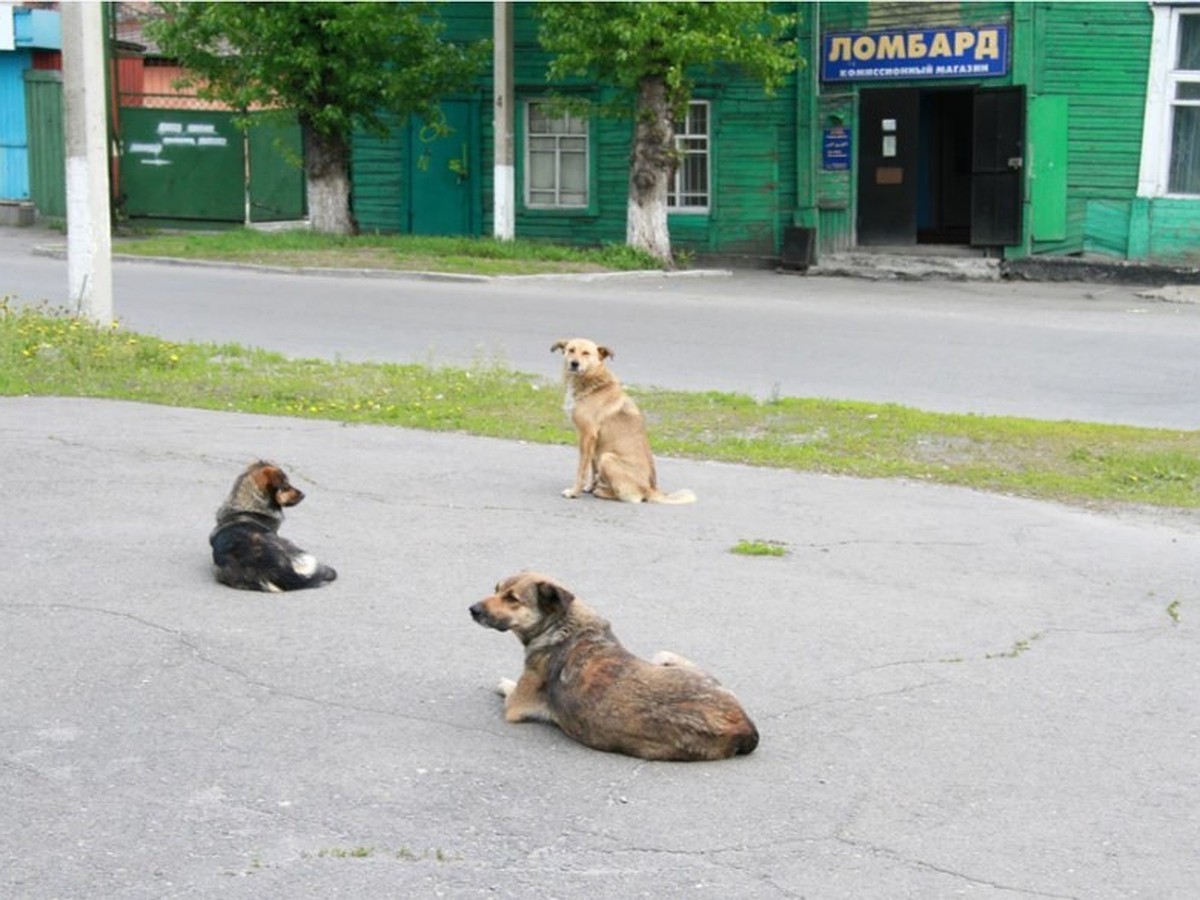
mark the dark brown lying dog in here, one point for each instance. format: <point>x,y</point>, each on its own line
<point>615,461</point>
<point>579,677</point>
<point>248,552</point>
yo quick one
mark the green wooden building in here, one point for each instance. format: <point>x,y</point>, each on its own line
<point>1015,128</point>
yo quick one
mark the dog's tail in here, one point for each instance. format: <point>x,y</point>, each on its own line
<point>681,496</point>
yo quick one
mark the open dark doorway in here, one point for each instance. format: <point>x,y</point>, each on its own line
<point>940,166</point>
<point>944,180</point>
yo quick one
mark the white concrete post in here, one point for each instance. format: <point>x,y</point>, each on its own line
<point>89,231</point>
<point>504,175</point>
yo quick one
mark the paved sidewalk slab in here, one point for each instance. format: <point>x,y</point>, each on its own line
<point>959,694</point>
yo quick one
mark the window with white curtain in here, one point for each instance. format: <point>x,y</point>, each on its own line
<point>556,158</point>
<point>1171,136</point>
<point>689,189</point>
<point>1184,173</point>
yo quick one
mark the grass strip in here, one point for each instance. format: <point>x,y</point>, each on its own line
<point>466,255</point>
<point>47,352</point>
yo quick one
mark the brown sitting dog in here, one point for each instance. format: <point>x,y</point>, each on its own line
<point>248,552</point>
<point>615,462</point>
<point>579,677</point>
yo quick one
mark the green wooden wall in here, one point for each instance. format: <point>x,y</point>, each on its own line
<point>378,190</point>
<point>753,159</point>
<point>1084,65</point>
<point>47,157</point>
<point>1097,56</point>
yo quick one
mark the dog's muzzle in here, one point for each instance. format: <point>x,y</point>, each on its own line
<point>480,615</point>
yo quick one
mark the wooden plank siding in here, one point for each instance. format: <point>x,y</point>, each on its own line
<point>377,186</point>
<point>765,163</point>
<point>835,188</point>
<point>1097,55</point>
<point>752,158</point>
<point>1174,227</point>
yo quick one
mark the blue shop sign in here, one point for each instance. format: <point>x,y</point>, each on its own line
<point>969,51</point>
<point>835,148</point>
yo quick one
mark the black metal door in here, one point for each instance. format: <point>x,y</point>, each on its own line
<point>997,167</point>
<point>887,166</point>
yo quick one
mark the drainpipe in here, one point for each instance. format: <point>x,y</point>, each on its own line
<point>1023,73</point>
<point>807,87</point>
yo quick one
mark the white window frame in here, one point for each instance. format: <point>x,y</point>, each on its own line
<point>1161,86</point>
<point>694,144</point>
<point>574,128</point>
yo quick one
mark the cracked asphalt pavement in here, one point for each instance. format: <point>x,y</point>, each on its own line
<point>959,694</point>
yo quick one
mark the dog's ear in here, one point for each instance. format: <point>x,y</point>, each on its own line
<point>553,598</point>
<point>273,478</point>
<point>605,353</point>
<point>558,345</point>
<point>267,477</point>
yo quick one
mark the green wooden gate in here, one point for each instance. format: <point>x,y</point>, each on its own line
<point>44,124</point>
<point>192,164</point>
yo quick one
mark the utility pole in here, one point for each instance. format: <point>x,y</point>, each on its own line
<point>504,175</point>
<point>89,227</point>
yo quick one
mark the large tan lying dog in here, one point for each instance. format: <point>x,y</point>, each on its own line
<point>615,462</point>
<point>579,677</point>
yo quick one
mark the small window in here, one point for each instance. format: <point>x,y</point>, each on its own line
<point>1184,177</point>
<point>1189,42</point>
<point>1171,131</point>
<point>689,189</point>
<point>556,159</point>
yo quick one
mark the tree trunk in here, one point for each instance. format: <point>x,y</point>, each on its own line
<point>651,165</point>
<point>327,179</point>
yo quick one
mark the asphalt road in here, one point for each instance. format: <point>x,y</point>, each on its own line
<point>1051,351</point>
<point>958,694</point>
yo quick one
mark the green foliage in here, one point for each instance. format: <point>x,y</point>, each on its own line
<point>337,64</point>
<point>624,43</point>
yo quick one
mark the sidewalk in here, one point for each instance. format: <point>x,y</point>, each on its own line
<point>863,263</point>
<point>958,693</point>
<point>1090,268</point>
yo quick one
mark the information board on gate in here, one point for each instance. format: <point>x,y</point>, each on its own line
<point>968,51</point>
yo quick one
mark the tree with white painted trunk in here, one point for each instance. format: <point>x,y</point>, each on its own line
<point>339,66</point>
<point>654,52</point>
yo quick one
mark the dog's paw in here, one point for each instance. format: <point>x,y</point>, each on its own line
<point>506,687</point>
<point>570,493</point>
<point>667,658</point>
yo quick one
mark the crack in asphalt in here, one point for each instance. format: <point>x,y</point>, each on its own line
<point>246,678</point>
<point>888,852</point>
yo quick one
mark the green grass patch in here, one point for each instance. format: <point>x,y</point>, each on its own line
<point>759,548</point>
<point>403,853</point>
<point>469,255</point>
<point>46,352</point>
<point>1017,648</point>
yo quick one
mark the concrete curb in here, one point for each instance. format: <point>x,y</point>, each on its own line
<point>1060,268</point>
<point>865,266</point>
<point>59,252</point>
